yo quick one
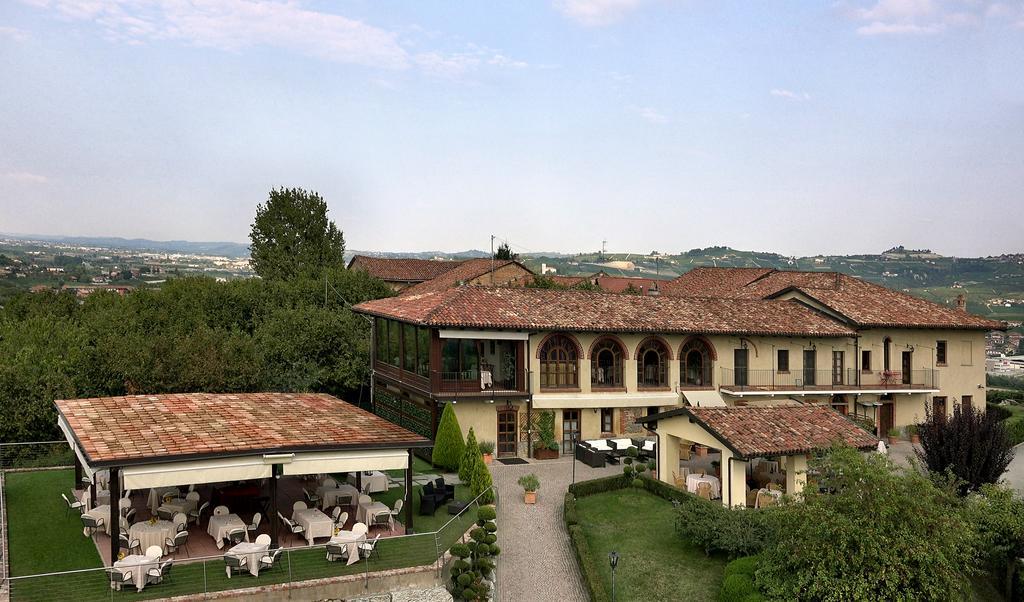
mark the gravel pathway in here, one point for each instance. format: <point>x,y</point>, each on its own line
<point>537,562</point>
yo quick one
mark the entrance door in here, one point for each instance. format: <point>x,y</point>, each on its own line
<point>837,367</point>
<point>570,429</point>
<point>739,361</point>
<point>907,366</point>
<point>508,435</point>
<point>886,419</point>
<point>938,408</point>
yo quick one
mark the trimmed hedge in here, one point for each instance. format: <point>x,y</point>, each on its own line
<point>1000,412</point>
<point>595,486</point>
<point>590,566</point>
<point>737,588</point>
<point>745,565</point>
<point>569,510</point>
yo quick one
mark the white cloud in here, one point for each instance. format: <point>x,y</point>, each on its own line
<point>236,25</point>
<point>23,177</point>
<point>650,114</point>
<point>596,13</point>
<point>13,33</point>
<point>789,94</point>
<point>927,17</point>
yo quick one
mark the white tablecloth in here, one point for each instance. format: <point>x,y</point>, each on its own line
<point>102,497</point>
<point>317,523</point>
<point>693,480</point>
<point>352,542</point>
<point>252,551</point>
<point>776,494</point>
<point>220,526</point>
<point>177,505</point>
<point>100,512</point>
<point>156,496</point>
<point>330,495</point>
<point>138,565</point>
<point>366,512</point>
<point>378,481</point>
<point>152,535</point>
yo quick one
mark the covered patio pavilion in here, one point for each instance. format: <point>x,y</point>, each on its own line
<point>160,442</point>
<point>784,434</point>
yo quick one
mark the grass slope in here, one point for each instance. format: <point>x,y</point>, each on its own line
<point>654,564</point>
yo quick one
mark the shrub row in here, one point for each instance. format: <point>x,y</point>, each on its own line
<point>718,529</point>
<point>595,486</point>
<point>998,411</point>
<point>569,510</point>
<point>738,585</point>
<point>589,565</point>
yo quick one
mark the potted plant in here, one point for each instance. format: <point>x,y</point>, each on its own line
<point>530,484</point>
<point>912,431</point>
<point>487,449</point>
<point>548,448</point>
<point>894,435</point>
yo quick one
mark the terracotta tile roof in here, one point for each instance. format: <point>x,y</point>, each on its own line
<point>402,269</point>
<point>864,304</point>
<point>466,271</point>
<point>618,284</point>
<point>568,280</point>
<point>776,430</point>
<point>177,426</point>
<point>586,311</point>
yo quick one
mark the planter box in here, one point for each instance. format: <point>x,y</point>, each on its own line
<point>488,458</point>
<point>543,453</point>
<point>893,440</point>
<point>530,497</point>
<point>702,451</point>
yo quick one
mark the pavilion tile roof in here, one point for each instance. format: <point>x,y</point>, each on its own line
<point>466,271</point>
<point>402,269</point>
<point>130,429</point>
<point>775,430</point>
<point>518,308</point>
<point>862,303</point>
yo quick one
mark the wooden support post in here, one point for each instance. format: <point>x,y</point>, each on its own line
<point>359,482</point>
<point>408,495</point>
<point>275,520</point>
<point>114,520</point>
<point>78,473</point>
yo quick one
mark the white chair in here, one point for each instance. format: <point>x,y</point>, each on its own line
<point>256,518</point>
<point>192,496</point>
<point>311,497</point>
<point>91,524</point>
<point>154,552</point>
<point>179,519</point>
<point>127,493</point>
<point>360,529</point>
<point>180,541</point>
<point>125,504</point>
<point>234,537</point>
<point>365,499</point>
<point>330,483</point>
<point>397,510</point>
<point>71,506</point>
<point>119,578</point>
<point>157,575</point>
<point>336,513</point>
<point>292,527</point>
<point>129,516</point>
<point>234,564</point>
<point>263,540</point>
<point>221,511</point>
<point>196,516</point>
<point>367,548</point>
<point>267,562</point>
<point>300,505</point>
<point>192,489</point>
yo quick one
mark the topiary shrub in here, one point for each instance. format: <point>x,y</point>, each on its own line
<point>469,457</point>
<point>470,579</point>
<point>736,588</point>
<point>448,444</point>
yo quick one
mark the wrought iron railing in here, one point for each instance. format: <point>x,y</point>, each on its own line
<point>825,380</point>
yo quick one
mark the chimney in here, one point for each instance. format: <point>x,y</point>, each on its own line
<point>961,302</point>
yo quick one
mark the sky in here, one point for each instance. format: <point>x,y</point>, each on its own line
<point>797,127</point>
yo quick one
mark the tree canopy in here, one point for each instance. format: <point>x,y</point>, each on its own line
<point>291,236</point>
<point>505,252</point>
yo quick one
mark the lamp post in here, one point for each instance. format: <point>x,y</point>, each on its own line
<point>574,459</point>
<point>613,560</point>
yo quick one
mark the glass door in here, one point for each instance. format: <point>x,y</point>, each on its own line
<point>507,433</point>
<point>570,429</point>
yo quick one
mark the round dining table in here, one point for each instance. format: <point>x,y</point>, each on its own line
<point>152,534</point>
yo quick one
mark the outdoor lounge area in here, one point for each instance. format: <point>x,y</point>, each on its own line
<point>243,476</point>
<point>747,456</point>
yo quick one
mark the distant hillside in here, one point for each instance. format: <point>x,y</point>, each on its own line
<point>225,249</point>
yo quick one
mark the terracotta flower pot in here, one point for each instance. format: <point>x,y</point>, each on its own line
<point>488,458</point>
<point>530,497</point>
<point>893,440</point>
<point>915,438</point>
<point>702,451</point>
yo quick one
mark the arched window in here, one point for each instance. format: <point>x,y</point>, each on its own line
<point>559,363</point>
<point>652,364</point>
<point>695,364</point>
<point>606,363</point>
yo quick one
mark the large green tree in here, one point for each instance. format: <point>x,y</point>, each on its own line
<point>292,236</point>
<point>448,444</point>
<point>874,533</point>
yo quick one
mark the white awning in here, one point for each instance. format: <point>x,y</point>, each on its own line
<point>704,399</point>
<point>484,334</point>
<point>66,428</point>
<point>217,470</point>
<point>346,461</point>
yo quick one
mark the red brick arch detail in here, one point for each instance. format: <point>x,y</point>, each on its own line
<point>625,349</point>
<point>575,341</point>
<point>655,337</point>
<point>696,337</point>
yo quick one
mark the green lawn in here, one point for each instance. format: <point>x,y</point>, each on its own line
<point>654,564</point>
<point>41,539</point>
<point>424,524</point>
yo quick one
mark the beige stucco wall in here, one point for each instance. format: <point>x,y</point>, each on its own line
<point>508,274</point>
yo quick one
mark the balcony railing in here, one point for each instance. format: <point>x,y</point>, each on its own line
<point>480,382</point>
<point>827,380</point>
